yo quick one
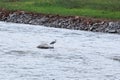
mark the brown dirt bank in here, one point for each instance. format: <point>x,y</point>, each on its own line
<point>68,22</point>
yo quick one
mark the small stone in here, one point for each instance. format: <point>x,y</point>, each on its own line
<point>76,17</point>
<point>112,31</point>
<point>91,28</point>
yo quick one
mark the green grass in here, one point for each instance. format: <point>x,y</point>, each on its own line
<point>91,8</point>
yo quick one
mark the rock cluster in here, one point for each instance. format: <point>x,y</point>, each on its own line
<point>68,22</point>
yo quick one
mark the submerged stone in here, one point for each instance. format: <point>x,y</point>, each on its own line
<point>45,46</point>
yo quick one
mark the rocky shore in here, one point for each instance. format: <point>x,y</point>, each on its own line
<point>57,21</point>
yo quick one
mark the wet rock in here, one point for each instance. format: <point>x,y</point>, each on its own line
<point>45,46</point>
<point>91,28</point>
<point>112,31</point>
<point>114,25</point>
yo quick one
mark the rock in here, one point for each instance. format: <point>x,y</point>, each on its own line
<point>45,46</point>
<point>91,28</point>
<point>114,25</point>
<point>112,31</point>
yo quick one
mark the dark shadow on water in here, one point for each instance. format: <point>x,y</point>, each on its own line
<point>116,58</point>
<point>18,52</point>
<point>71,34</point>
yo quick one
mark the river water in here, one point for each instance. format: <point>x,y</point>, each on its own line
<point>78,55</point>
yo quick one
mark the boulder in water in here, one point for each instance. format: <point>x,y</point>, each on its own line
<point>45,46</point>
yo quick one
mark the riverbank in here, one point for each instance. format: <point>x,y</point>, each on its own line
<point>57,21</point>
<point>109,9</point>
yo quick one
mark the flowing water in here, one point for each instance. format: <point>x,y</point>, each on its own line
<point>78,55</point>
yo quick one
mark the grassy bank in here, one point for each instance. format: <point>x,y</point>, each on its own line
<point>91,8</point>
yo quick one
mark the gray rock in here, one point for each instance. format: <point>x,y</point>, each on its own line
<point>112,31</point>
<point>45,46</point>
<point>114,25</point>
<point>91,28</point>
